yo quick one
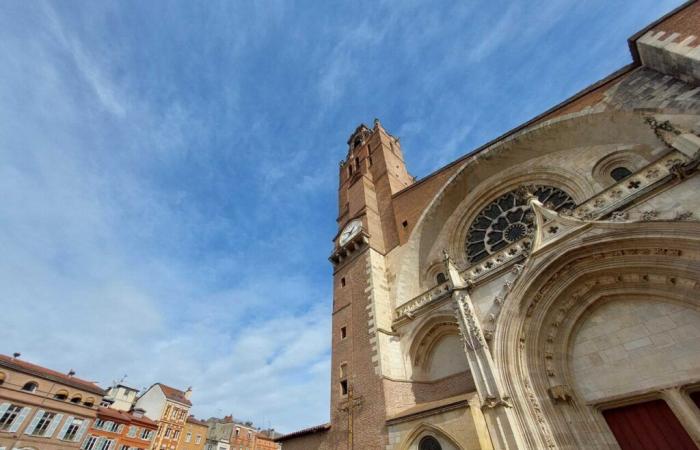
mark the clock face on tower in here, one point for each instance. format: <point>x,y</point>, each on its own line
<point>349,231</point>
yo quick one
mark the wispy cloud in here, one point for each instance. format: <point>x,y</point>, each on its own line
<point>168,172</point>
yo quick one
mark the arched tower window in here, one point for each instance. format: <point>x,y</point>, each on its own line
<point>620,173</point>
<point>509,219</point>
<point>429,443</point>
<point>440,278</point>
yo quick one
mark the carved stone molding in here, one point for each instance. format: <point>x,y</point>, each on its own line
<point>560,393</point>
<point>496,402</point>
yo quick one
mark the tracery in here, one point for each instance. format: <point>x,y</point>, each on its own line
<point>508,219</point>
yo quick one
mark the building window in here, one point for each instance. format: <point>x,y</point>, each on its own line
<point>10,416</point>
<point>124,447</point>
<point>342,282</point>
<point>429,443</point>
<point>61,395</point>
<point>198,439</point>
<point>620,173</point>
<point>176,434</point>
<point>76,399</point>
<point>146,434</point>
<point>343,332</point>
<point>188,437</point>
<point>133,430</point>
<point>30,386</point>
<point>344,387</point>
<point>89,443</point>
<point>238,432</point>
<point>90,402</point>
<point>43,424</point>
<point>508,219</point>
<point>107,444</point>
<point>167,432</point>
<point>72,428</point>
<point>440,278</point>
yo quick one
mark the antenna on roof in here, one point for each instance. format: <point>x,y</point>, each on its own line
<point>16,355</point>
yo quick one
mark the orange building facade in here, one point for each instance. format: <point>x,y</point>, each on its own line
<point>43,409</point>
<point>194,435</point>
<point>118,430</point>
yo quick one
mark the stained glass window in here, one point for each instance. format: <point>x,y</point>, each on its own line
<point>509,219</point>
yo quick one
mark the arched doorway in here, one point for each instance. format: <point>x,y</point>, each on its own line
<point>597,328</point>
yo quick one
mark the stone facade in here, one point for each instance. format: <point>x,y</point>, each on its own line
<point>525,295</point>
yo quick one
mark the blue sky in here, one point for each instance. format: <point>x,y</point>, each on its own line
<point>168,170</point>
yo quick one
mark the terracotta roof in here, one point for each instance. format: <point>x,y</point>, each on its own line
<point>123,416</point>
<point>192,419</point>
<point>317,429</point>
<point>174,394</point>
<point>43,372</point>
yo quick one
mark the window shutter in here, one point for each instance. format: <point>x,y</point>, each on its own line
<point>35,420</point>
<point>19,419</point>
<point>53,425</point>
<point>84,426</point>
<point>64,428</point>
<point>3,408</point>
<point>87,442</point>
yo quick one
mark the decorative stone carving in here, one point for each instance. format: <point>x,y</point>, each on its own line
<point>539,415</point>
<point>648,215</point>
<point>619,216</point>
<point>507,220</point>
<point>683,215</point>
<point>560,393</point>
<point>474,337</point>
<point>652,173</point>
<point>495,402</point>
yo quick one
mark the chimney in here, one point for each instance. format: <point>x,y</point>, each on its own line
<point>188,393</point>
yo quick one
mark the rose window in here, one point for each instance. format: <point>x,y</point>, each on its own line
<point>509,219</point>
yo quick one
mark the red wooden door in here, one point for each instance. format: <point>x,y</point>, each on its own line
<point>648,426</point>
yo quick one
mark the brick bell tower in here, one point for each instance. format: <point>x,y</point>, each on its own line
<point>373,171</point>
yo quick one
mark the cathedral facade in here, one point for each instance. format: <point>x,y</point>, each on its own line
<point>541,292</point>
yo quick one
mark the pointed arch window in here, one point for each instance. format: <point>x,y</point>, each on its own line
<point>429,443</point>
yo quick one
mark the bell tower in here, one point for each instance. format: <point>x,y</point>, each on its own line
<point>372,172</point>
